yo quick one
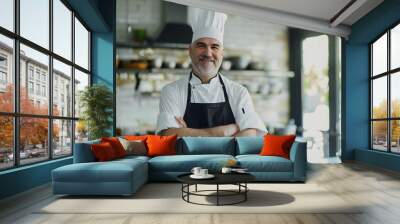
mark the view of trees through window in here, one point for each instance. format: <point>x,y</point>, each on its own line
<point>385,91</point>
<point>39,101</point>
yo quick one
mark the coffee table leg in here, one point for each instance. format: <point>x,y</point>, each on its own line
<point>188,189</point>
<point>196,188</point>
<point>245,191</point>
<point>217,194</point>
<point>185,187</point>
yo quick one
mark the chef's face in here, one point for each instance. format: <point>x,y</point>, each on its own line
<point>206,55</point>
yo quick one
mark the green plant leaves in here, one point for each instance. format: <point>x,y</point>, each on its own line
<point>96,102</point>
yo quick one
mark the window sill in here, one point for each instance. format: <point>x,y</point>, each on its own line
<point>26,167</point>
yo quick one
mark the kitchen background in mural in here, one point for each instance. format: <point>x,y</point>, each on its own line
<point>153,37</point>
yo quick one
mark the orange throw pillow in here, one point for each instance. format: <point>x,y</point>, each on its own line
<point>103,151</point>
<point>116,145</point>
<point>275,145</point>
<point>161,145</point>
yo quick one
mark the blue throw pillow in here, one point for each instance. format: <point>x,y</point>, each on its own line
<point>208,145</point>
<point>249,145</point>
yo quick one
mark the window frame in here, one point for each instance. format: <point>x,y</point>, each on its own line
<point>3,69</point>
<point>16,114</point>
<point>388,74</point>
<point>3,77</point>
<point>5,58</point>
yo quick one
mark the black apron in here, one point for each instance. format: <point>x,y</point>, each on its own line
<point>208,115</point>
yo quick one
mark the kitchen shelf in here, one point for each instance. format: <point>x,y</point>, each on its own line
<point>241,73</point>
<point>178,71</point>
<point>182,71</point>
<point>264,73</point>
<point>151,45</point>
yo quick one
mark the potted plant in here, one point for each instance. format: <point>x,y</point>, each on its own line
<point>96,103</point>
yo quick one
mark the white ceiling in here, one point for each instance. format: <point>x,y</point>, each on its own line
<point>315,15</point>
<point>321,9</point>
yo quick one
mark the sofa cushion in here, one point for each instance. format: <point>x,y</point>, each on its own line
<point>207,145</point>
<point>185,163</point>
<point>111,171</point>
<point>249,145</point>
<point>257,163</point>
<point>133,158</point>
<point>83,152</point>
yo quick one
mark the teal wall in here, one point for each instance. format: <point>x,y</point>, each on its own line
<point>103,52</point>
<point>380,159</point>
<point>24,178</point>
<point>356,85</point>
<point>90,11</point>
<point>100,16</point>
<point>103,59</point>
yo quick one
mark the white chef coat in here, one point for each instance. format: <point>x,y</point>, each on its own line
<point>174,98</point>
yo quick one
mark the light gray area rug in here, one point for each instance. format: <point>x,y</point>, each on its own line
<point>166,198</point>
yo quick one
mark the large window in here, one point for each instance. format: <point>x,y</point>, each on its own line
<point>385,91</point>
<point>44,64</point>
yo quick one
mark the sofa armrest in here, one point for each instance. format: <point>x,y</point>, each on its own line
<point>83,152</point>
<point>298,155</point>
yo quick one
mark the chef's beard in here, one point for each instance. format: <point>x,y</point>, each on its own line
<point>209,69</point>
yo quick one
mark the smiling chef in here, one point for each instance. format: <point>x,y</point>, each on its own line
<point>205,103</point>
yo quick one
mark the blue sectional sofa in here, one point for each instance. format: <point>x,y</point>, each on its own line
<point>125,176</point>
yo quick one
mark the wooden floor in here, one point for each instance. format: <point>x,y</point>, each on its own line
<point>377,188</point>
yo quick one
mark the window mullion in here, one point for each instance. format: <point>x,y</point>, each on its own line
<point>16,84</point>
<point>389,94</point>
<point>89,54</point>
<point>371,88</point>
<point>50,81</point>
<point>73,82</point>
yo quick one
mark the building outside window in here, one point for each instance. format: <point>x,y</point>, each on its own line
<point>37,74</point>
<point>3,72</point>
<point>43,90</point>
<point>55,97</point>
<point>43,78</point>
<point>3,61</point>
<point>3,81</point>
<point>30,72</point>
<point>30,87</point>
<point>38,89</point>
<point>3,77</point>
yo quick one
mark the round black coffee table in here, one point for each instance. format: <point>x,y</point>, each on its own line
<point>238,179</point>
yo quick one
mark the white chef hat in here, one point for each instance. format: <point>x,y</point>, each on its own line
<point>207,23</point>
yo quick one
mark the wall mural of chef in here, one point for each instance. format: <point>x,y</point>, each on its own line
<point>225,75</point>
<point>205,102</point>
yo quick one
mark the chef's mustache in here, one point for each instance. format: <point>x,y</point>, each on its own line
<point>205,57</point>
